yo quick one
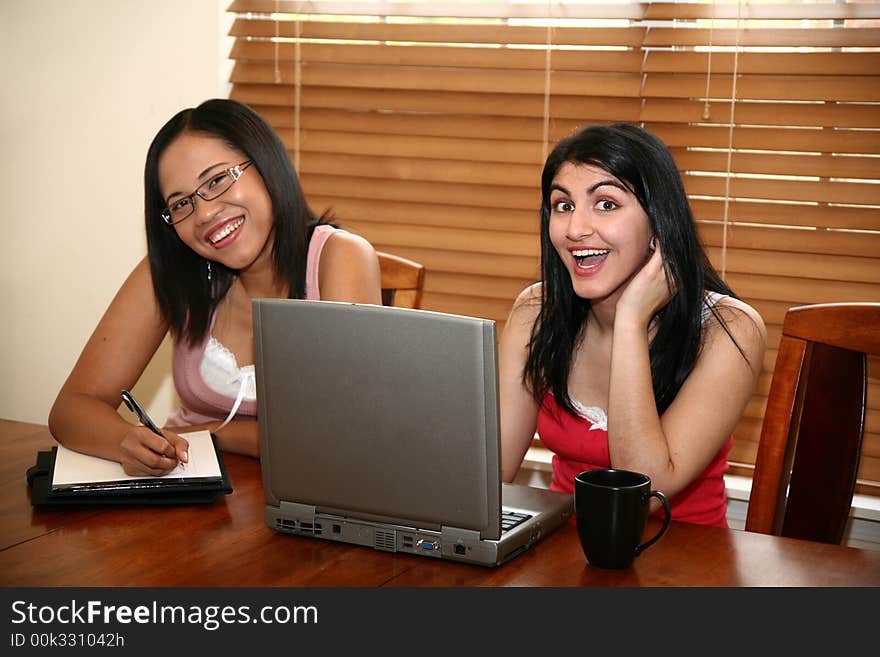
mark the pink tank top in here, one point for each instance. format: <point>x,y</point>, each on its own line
<point>199,403</point>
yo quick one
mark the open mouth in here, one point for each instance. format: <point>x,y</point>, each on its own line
<point>587,258</point>
<point>225,231</point>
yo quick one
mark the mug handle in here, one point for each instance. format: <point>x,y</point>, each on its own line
<point>668,516</point>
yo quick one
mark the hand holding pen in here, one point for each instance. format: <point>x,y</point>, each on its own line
<point>150,456</point>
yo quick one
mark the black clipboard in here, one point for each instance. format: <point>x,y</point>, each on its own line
<point>143,492</point>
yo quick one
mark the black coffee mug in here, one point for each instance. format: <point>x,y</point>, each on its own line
<point>612,508</point>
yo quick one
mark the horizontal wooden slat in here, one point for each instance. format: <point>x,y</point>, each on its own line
<point>764,87</point>
<point>766,63</point>
<point>793,114</point>
<point>437,32</point>
<point>445,79</point>
<point>518,81</point>
<point>450,8</point>
<point>512,57</point>
<point>809,140</point>
<point>784,190</point>
<point>788,214</point>
<point>634,10</point>
<point>798,11</point>
<point>824,165</point>
<point>273,102</point>
<point>808,242</point>
<point>750,37</point>
<point>433,56</point>
<point>399,77</point>
<point>800,290</point>
<point>807,266</point>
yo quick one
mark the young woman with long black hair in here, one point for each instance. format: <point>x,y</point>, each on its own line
<point>631,352</point>
<point>226,222</point>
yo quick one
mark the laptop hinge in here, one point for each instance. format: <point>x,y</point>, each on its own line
<point>294,518</point>
<point>298,511</point>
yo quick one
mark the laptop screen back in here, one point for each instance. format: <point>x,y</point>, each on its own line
<point>380,413</point>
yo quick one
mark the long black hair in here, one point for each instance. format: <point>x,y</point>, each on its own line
<point>642,162</point>
<point>186,297</point>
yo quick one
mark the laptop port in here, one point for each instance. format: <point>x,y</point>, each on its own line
<point>459,548</point>
<point>428,545</point>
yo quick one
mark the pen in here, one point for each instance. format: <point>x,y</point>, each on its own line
<point>145,419</point>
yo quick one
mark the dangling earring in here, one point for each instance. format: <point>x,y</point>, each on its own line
<point>209,270</point>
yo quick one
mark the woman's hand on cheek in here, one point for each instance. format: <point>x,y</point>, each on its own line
<point>647,292</point>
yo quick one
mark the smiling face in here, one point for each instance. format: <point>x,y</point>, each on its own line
<point>598,228</point>
<point>235,228</point>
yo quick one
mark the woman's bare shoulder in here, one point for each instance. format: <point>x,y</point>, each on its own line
<point>743,323</point>
<point>526,308</point>
<point>529,300</point>
<point>349,269</point>
<point>737,311</point>
<point>343,244</point>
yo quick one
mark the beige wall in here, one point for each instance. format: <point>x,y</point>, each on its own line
<point>84,86</point>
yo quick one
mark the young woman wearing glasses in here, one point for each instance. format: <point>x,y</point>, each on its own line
<point>631,352</point>
<point>226,222</point>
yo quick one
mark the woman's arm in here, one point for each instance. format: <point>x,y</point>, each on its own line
<point>349,270</point>
<point>237,437</point>
<point>519,410</point>
<point>675,448</point>
<point>84,416</point>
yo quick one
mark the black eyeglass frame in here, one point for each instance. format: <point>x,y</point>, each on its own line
<point>205,193</point>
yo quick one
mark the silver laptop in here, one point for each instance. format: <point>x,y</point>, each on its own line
<point>379,427</point>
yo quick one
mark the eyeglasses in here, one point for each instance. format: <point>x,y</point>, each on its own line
<point>211,189</point>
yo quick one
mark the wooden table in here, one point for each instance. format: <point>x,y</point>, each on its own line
<point>228,544</point>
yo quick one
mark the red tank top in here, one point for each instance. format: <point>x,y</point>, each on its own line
<point>579,444</point>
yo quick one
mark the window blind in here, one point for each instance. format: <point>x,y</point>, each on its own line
<point>424,127</point>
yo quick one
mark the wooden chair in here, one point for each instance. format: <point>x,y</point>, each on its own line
<point>402,281</point>
<point>812,432</point>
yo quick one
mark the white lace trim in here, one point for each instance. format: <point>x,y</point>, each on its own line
<point>594,414</point>
<point>221,373</point>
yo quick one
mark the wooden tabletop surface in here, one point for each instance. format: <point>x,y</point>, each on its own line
<point>227,543</point>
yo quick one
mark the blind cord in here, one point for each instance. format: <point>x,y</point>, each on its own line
<point>297,85</point>
<point>730,143</point>
<point>545,137</point>
<point>707,112</point>
<point>277,41</point>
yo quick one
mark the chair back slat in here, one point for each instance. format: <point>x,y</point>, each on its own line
<point>811,437</point>
<point>402,281</point>
<point>829,439</point>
